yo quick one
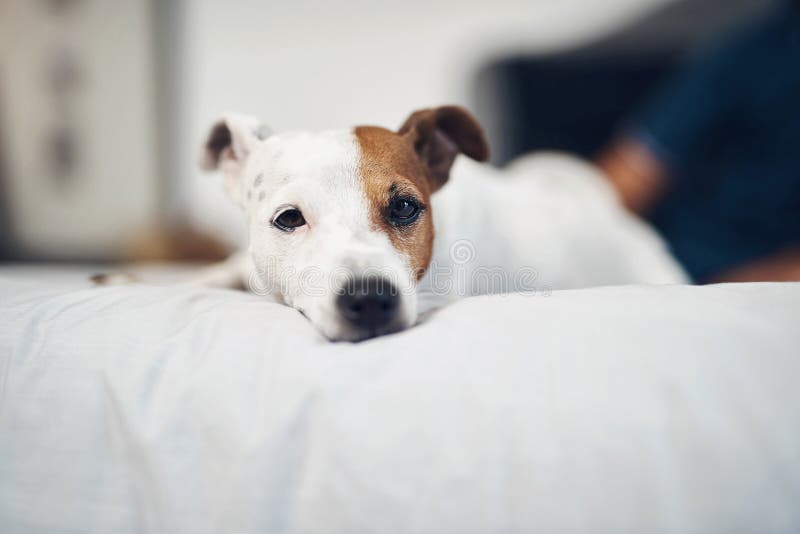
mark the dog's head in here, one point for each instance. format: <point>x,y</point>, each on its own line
<point>340,222</point>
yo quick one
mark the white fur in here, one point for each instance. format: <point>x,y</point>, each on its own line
<point>318,174</point>
<point>549,215</point>
<point>547,222</point>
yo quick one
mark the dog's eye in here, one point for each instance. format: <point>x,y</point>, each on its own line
<point>403,211</point>
<point>289,220</point>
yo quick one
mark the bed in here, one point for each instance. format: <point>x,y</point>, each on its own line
<point>617,409</point>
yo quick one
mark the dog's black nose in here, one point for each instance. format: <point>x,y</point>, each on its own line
<point>369,302</point>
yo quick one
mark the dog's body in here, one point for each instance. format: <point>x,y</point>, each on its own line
<point>348,226</point>
<point>549,213</point>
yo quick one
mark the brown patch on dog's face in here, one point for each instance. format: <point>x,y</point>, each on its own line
<point>392,174</point>
<point>406,167</point>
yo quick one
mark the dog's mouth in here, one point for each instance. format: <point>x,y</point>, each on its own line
<point>349,334</point>
<point>361,309</point>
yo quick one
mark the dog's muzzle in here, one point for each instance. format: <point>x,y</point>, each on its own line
<point>371,305</point>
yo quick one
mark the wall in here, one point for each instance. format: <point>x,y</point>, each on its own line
<point>307,64</point>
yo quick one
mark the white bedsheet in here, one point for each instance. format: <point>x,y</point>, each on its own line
<point>629,409</point>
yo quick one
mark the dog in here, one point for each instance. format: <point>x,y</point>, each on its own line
<point>350,227</point>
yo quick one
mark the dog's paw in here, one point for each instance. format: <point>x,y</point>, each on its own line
<point>112,279</point>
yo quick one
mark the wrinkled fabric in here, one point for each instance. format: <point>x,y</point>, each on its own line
<point>621,409</point>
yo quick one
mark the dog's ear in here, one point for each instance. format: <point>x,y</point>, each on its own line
<point>439,134</point>
<point>228,145</point>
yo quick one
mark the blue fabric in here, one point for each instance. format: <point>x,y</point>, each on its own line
<point>728,128</point>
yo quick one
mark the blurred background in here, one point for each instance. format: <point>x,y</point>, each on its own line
<point>104,103</point>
